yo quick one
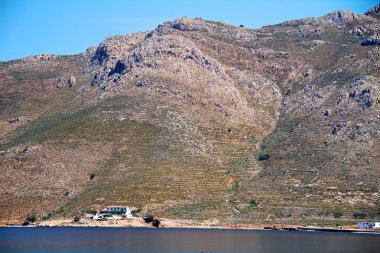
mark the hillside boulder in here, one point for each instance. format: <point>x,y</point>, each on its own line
<point>72,81</point>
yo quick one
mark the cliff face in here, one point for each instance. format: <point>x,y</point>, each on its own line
<point>196,119</point>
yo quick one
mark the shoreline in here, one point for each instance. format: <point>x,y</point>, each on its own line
<point>173,224</point>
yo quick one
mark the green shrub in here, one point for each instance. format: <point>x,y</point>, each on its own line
<point>90,211</point>
<point>135,211</point>
<point>358,215</point>
<point>149,217</point>
<point>77,218</point>
<point>49,215</point>
<point>253,203</point>
<point>338,215</point>
<point>263,157</point>
<point>30,218</point>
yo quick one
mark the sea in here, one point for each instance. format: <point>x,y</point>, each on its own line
<point>170,240</point>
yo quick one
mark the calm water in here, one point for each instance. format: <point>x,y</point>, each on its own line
<point>181,240</point>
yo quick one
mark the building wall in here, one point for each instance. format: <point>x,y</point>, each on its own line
<point>368,225</point>
<point>116,208</point>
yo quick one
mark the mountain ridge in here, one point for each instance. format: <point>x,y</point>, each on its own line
<point>196,117</point>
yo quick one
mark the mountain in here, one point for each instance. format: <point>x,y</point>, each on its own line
<point>200,120</point>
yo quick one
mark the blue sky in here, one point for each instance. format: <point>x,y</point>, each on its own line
<point>70,26</point>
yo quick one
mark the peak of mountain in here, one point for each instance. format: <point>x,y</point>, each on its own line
<point>195,117</point>
<point>374,12</point>
<point>341,17</point>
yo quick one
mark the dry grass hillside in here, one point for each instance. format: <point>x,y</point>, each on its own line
<point>200,119</point>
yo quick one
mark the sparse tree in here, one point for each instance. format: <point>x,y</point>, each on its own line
<point>31,217</point>
<point>77,218</point>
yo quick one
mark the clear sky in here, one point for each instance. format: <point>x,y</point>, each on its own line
<point>71,26</point>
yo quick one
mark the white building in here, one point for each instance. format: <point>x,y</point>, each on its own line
<point>368,224</point>
<point>116,208</point>
<point>114,213</point>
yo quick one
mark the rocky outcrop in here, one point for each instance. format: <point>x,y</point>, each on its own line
<point>372,40</point>
<point>365,92</point>
<point>344,20</point>
<point>305,101</point>
<point>60,82</point>
<point>63,81</point>
<point>214,28</point>
<point>41,58</point>
<point>102,59</point>
<point>341,17</point>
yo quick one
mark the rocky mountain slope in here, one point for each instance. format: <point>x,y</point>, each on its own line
<point>200,119</point>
